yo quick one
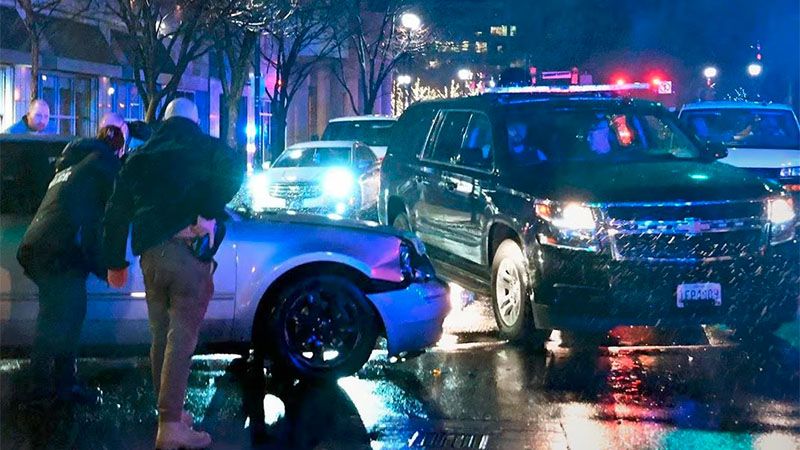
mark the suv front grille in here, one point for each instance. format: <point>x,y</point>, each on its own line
<point>295,190</point>
<point>685,232</point>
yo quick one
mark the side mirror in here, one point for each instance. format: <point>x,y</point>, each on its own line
<point>714,151</point>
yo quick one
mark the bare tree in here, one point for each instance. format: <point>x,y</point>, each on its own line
<point>379,43</point>
<point>164,37</point>
<point>296,42</point>
<point>39,16</point>
<point>236,40</point>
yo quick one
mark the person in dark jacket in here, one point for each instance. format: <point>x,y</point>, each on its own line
<point>59,250</point>
<point>173,189</point>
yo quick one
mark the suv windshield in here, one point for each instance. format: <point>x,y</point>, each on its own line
<point>742,127</point>
<point>370,132</point>
<point>594,135</point>
<point>314,157</point>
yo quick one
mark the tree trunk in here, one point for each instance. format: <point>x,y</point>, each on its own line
<point>277,131</point>
<point>232,120</point>
<point>152,109</point>
<point>34,94</point>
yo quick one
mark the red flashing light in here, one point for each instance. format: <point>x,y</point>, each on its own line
<point>792,187</point>
<point>655,81</point>
<point>620,81</point>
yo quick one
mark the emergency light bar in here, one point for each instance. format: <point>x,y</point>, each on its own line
<point>568,89</point>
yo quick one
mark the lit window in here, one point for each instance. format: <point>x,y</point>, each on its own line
<point>500,30</point>
<point>512,31</point>
<point>465,45</point>
<point>481,47</point>
<point>500,48</point>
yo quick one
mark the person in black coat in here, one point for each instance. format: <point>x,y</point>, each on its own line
<point>59,250</point>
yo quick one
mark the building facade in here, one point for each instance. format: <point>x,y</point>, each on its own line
<point>85,71</point>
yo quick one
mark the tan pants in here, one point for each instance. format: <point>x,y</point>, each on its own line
<point>178,288</point>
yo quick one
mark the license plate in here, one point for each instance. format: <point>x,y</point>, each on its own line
<point>699,292</point>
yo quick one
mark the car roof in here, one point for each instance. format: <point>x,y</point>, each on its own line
<point>502,100</point>
<point>363,118</point>
<point>734,105</point>
<point>318,144</point>
<point>35,138</point>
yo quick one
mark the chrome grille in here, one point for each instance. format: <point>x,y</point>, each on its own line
<point>700,231</point>
<point>295,190</point>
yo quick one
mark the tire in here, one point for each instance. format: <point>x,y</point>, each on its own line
<point>510,300</point>
<point>320,317</point>
<point>401,222</point>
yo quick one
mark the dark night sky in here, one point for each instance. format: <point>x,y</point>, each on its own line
<point>641,37</point>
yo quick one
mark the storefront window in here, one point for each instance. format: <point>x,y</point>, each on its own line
<point>126,101</point>
<point>71,103</point>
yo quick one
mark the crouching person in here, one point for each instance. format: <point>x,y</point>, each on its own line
<point>173,190</point>
<point>59,251</point>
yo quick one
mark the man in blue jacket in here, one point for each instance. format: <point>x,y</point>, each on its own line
<point>35,121</point>
<point>59,250</point>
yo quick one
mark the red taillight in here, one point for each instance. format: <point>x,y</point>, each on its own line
<point>792,187</point>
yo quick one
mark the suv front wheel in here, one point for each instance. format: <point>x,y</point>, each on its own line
<point>510,302</point>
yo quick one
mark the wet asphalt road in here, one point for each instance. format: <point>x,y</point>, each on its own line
<point>635,388</point>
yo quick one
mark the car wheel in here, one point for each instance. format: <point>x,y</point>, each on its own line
<point>321,327</point>
<point>510,302</point>
<point>401,222</point>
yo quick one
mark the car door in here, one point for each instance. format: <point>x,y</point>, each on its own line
<point>444,209</point>
<point>474,181</point>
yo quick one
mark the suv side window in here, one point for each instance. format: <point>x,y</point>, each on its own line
<point>410,134</point>
<point>450,137</point>
<point>476,148</point>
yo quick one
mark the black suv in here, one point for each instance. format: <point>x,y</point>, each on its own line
<point>583,212</point>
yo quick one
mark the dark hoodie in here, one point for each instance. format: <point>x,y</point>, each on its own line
<point>64,236</point>
<point>165,184</point>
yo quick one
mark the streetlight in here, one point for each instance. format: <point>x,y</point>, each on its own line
<point>404,80</point>
<point>754,69</point>
<point>465,75</point>
<point>710,72</point>
<point>411,21</point>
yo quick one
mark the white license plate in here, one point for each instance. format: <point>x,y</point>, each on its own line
<point>699,292</point>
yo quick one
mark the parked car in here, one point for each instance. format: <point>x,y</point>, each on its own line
<point>583,211</point>
<point>764,138</point>
<point>313,292</point>
<point>374,131</point>
<point>320,177</point>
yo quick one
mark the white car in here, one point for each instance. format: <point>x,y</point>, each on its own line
<point>762,137</point>
<point>374,131</point>
<point>319,177</point>
<point>311,291</point>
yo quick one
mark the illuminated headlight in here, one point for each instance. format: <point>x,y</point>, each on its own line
<point>781,210</point>
<point>258,190</point>
<point>790,172</point>
<point>781,215</point>
<point>339,183</point>
<point>570,225</point>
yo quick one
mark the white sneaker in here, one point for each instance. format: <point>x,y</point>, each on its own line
<point>187,418</point>
<point>176,435</point>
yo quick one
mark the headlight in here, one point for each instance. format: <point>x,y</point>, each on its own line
<point>258,190</point>
<point>781,210</point>
<point>414,266</point>
<point>339,182</point>
<point>790,172</point>
<point>781,215</point>
<point>570,225</point>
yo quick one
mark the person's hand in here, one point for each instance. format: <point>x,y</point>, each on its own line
<point>118,277</point>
